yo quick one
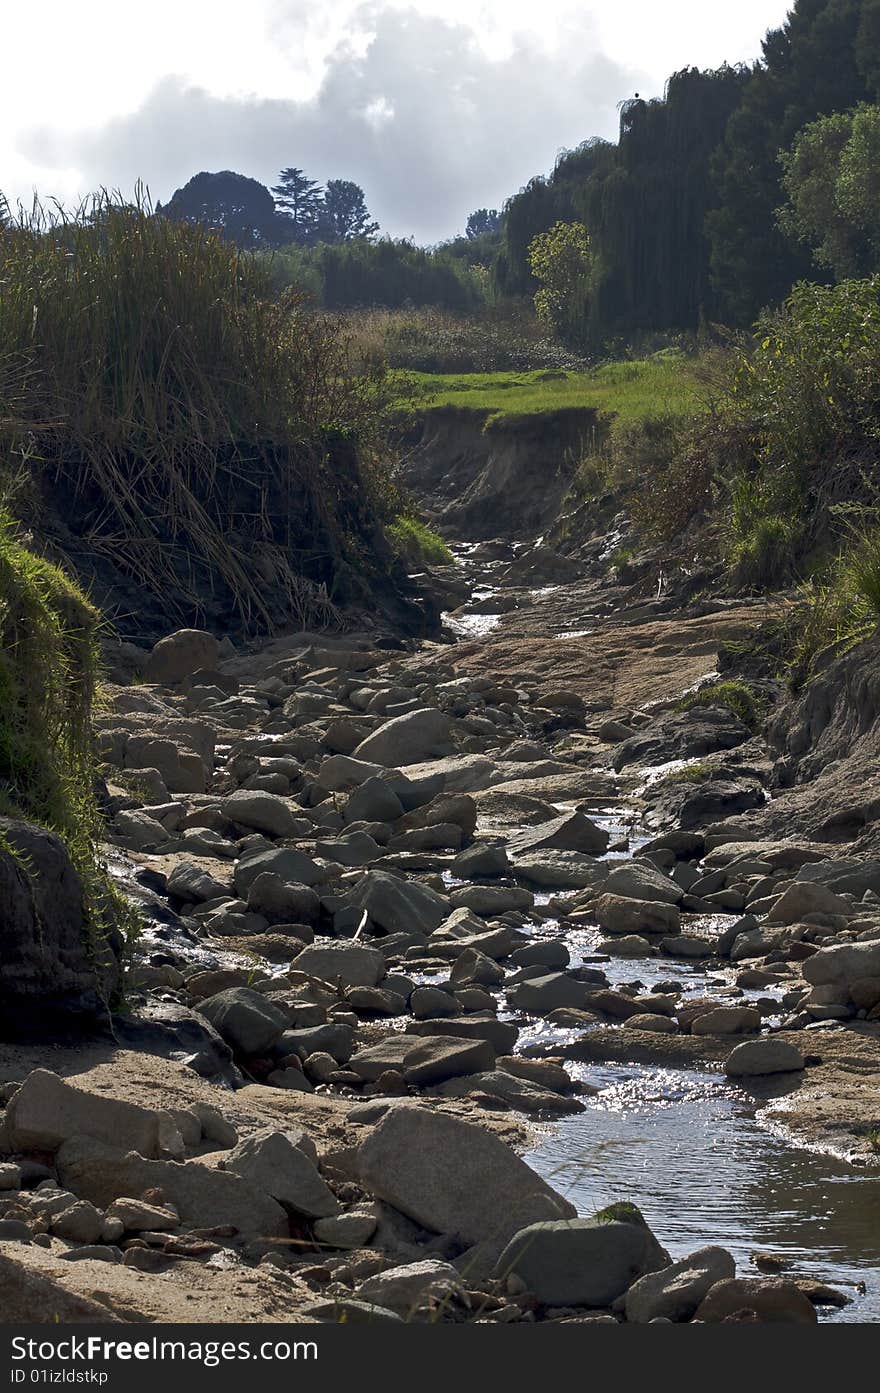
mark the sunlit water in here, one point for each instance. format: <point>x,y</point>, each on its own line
<point>686,1148</point>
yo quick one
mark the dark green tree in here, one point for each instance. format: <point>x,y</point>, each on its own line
<point>810,67</point>
<point>239,208</point>
<point>482,221</point>
<point>342,214</point>
<point>298,203</point>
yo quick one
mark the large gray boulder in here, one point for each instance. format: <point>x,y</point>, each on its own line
<point>262,812</point>
<point>753,1058</point>
<point>286,862</point>
<point>578,1262</point>
<point>675,1292</point>
<point>351,963</point>
<point>454,1177</point>
<point>245,1019</point>
<point>399,906</point>
<point>424,1060</point>
<point>408,739</point>
<point>282,1165</point>
<point>640,880</point>
<point>53,961</point>
<point>571,831</point>
<point>203,1196</point>
<point>843,965</point>
<point>47,1110</point>
<point>181,654</point>
<point>617,914</point>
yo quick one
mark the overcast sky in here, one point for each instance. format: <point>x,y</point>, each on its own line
<point>435,107</point>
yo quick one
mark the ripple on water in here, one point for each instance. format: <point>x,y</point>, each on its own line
<point>686,1148</point>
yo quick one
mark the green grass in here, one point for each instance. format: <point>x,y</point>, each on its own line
<point>738,697</point>
<point>665,384</point>
<point>48,677</point>
<point>414,541</point>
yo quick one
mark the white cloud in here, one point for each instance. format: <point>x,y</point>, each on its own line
<point>435,106</point>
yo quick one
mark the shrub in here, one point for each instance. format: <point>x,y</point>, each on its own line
<point>745,703</point>
<point>416,543</point>
<point>205,437</point>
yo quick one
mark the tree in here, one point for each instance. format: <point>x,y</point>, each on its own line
<point>814,65</point>
<point>239,208</point>
<point>832,181</point>
<point>482,221</point>
<point>298,201</point>
<point>564,262</point>
<point>342,214</point>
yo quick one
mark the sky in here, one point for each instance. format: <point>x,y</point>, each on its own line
<point>436,107</point>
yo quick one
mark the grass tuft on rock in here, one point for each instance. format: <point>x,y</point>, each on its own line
<point>417,543</point>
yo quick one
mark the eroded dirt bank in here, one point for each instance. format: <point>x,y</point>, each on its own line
<point>411,914</point>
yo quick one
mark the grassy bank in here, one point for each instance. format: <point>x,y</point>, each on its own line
<point>48,678</point>
<point>197,435</point>
<point>663,385</point>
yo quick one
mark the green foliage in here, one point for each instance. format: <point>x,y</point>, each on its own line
<point>48,678</point>
<point>192,418</point>
<point>236,207</point>
<point>435,341</point>
<point>745,703</point>
<point>811,66</point>
<point>699,773</point>
<point>644,202</point>
<point>833,189</point>
<point>386,273</point>
<point>416,543</point>
<point>563,261</point>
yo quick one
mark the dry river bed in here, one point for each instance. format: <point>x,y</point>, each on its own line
<point>404,902</point>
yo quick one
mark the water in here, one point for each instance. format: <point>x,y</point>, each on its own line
<point>686,1148</point>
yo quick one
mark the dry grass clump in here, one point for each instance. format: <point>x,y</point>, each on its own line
<point>197,433</point>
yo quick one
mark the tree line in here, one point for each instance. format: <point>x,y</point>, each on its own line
<point>718,197</point>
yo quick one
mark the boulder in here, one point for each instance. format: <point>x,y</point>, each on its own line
<point>49,963</point>
<point>843,964</point>
<point>571,831</point>
<point>803,898</point>
<point>373,801</point>
<point>404,1288</point>
<point>771,1299</point>
<point>727,1020</point>
<point>353,964</point>
<point>191,883</point>
<point>578,1262</point>
<point>398,906</point>
<point>281,901</point>
<point>203,1196</point>
<point>180,655</point>
<point>245,1019</point>
<point>46,1111</point>
<point>756,1057</point>
<point>675,1292</point>
<point>263,812</point>
<point>640,880</point>
<point>502,1035</point>
<point>282,1165</point>
<point>454,1177</point>
<point>408,739</point>
<point>424,1060</point>
<point>619,915</point>
<point>487,900</point>
<point>538,995</point>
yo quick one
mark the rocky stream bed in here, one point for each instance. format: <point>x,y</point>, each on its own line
<point>458,998</point>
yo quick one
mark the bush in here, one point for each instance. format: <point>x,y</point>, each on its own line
<point>206,438</point>
<point>738,697</point>
<point>416,543</point>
